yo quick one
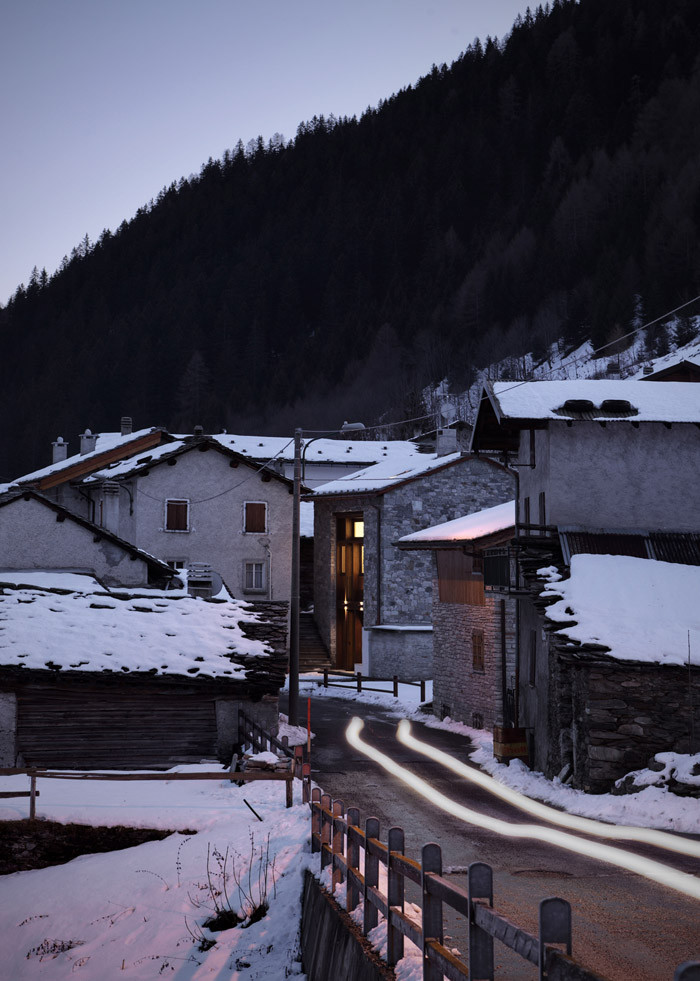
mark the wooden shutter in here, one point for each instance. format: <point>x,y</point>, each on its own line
<point>478,650</point>
<point>255,516</point>
<point>176,515</point>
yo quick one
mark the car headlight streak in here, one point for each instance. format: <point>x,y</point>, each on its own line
<point>586,825</point>
<point>650,869</point>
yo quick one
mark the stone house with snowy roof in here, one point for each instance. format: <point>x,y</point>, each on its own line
<point>37,533</point>
<point>373,603</point>
<point>133,677</point>
<point>474,617</point>
<point>605,468</point>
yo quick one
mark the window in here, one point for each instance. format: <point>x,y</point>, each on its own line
<point>533,658</point>
<point>255,517</point>
<point>176,563</point>
<point>177,515</point>
<point>478,650</point>
<point>254,577</point>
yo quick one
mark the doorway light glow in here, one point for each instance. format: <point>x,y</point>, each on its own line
<point>649,836</point>
<point>648,868</point>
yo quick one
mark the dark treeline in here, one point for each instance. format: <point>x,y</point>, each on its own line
<point>543,186</point>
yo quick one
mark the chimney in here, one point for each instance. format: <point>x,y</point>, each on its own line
<point>88,442</point>
<point>446,442</point>
<point>127,425</point>
<point>60,450</point>
<point>110,506</point>
<point>648,369</point>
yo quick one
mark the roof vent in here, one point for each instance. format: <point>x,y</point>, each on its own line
<point>60,450</point>
<point>617,407</point>
<point>648,369</point>
<point>88,442</point>
<point>127,425</point>
<point>199,430</point>
<point>575,406</point>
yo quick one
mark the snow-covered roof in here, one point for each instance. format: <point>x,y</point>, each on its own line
<point>467,528</point>
<point>387,474</point>
<point>539,400</point>
<point>122,467</point>
<point>641,609</point>
<point>104,444</point>
<point>127,630</point>
<point>360,451</point>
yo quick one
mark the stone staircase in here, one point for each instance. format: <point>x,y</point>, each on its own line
<point>313,656</point>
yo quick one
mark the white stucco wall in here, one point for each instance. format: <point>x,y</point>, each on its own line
<point>217,493</point>
<point>32,538</point>
<point>616,476</point>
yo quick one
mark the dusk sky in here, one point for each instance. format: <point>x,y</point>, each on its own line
<point>104,102</point>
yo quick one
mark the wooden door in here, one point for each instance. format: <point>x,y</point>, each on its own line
<point>349,591</point>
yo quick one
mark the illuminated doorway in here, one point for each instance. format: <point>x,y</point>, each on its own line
<point>349,589</point>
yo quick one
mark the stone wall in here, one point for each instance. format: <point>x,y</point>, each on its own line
<point>470,485</point>
<point>400,651</point>
<point>623,713</point>
<point>459,690</point>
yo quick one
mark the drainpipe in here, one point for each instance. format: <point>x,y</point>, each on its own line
<point>504,680</point>
<point>516,698</point>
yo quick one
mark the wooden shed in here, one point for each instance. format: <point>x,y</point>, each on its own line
<point>113,679</point>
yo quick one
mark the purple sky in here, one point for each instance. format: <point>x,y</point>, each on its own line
<point>103,102</point>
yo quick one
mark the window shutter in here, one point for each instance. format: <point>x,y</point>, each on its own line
<point>255,517</point>
<point>176,515</point>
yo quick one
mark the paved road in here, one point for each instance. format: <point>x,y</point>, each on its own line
<point>624,927</point>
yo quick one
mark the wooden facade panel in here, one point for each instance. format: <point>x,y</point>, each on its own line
<point>113,730</point>
<point>457,580</point>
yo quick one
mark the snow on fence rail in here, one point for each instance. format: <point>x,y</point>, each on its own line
<point>338,837</point>
<point>362,685</point>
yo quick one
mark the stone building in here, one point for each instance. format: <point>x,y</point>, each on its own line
<point>373,603</point>
<point>606,468</point>
<point>474,618</point>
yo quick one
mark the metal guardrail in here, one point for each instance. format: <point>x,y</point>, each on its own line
<point>338,837</point>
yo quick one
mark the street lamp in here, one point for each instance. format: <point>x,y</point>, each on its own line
<point>347,427</point>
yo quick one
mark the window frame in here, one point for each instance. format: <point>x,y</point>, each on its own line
<point>263,576</point>
<point>245,518</point>
<point>177,500</point>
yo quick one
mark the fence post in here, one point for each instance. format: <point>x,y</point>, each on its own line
<point>480,888</point>
<point>359,681</point>
<point>371,916</point>
<point>325,677</point>
<point>325,829</point>
<point>289,788</point>
<point>395,897</point>
<point>555,928</point>
<point>315,817</point>
<point>422,690</point>
<point>396,686</point>
<point>689,971</point>
<point>353,894</point>
<point>337,839</point>
<point>32,797</point>
<point>431,861</point>
<point>306,783</point>
<point>298,761</point>
<point>285,741</point>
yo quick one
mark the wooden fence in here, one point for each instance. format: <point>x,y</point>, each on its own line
<point>252,734</point>
<point>338,837</point>
<point>35,774</point>
<point>362,685</point>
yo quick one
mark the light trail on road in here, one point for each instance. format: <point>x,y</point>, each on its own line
<point>656,871</point>
<point>648,836</point>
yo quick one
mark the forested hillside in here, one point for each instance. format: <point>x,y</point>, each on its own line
<point>535,189</point>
